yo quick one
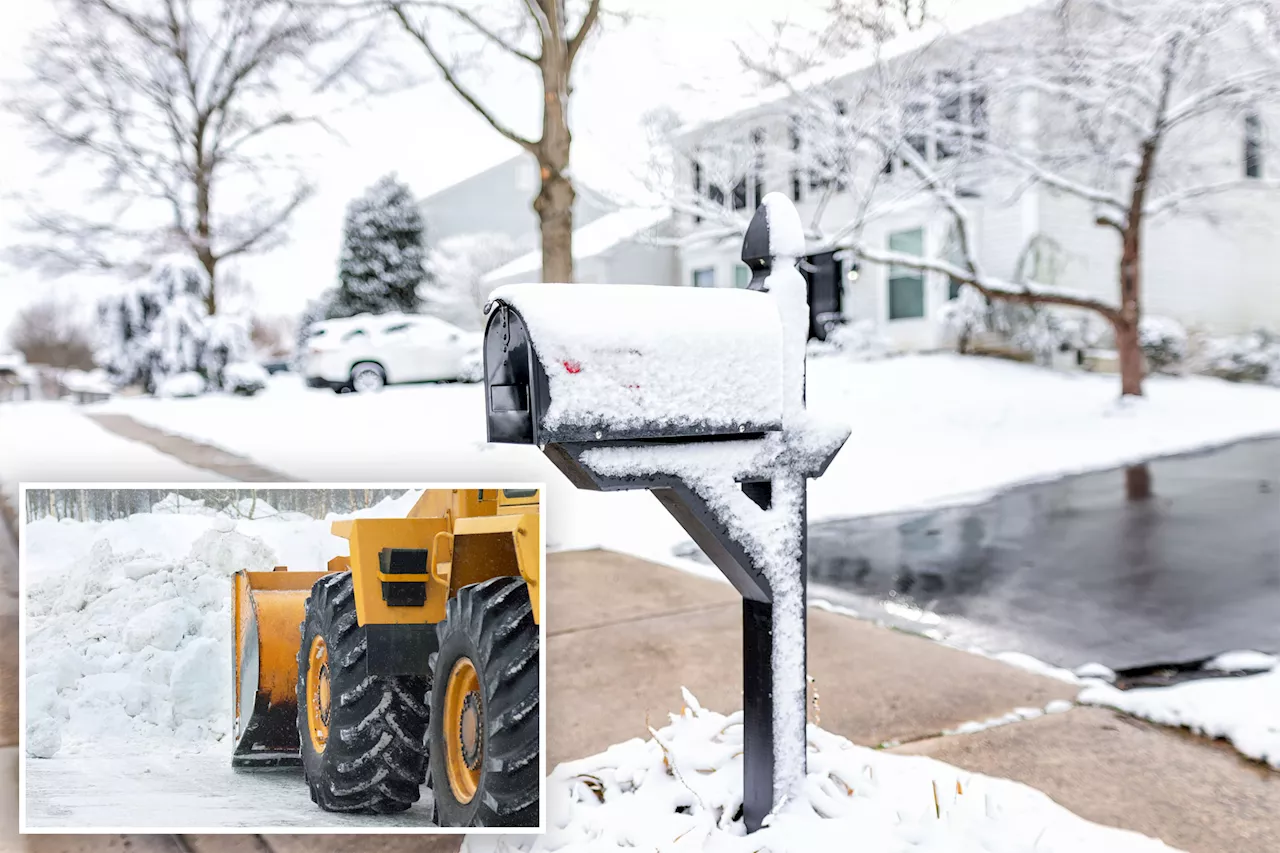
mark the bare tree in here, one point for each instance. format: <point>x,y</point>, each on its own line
<point>547,35</point>
<point>166,109</point>
<point>45,332</point>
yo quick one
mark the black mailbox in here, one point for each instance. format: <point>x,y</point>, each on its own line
<point>626,386</point>
<point>587,362</point>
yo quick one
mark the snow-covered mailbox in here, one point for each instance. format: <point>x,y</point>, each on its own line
<point>698,396</point>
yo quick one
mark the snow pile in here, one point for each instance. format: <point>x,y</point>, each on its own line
<point>682,790</point>
<point>133,646</point>
<point>244,377</point>
<point>1245,710</point>
<point>624,357</point>
<point>128,636</point>
<point>190,384</point>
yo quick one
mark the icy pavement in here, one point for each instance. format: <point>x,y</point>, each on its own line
<point>193,792</point>
<point>682,790</point>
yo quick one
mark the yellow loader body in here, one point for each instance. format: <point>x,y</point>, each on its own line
<point>468,536</point>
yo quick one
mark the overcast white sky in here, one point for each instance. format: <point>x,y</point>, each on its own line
<point>674,52</point>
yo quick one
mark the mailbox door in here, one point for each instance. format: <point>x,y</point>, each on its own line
<point>514,379</point>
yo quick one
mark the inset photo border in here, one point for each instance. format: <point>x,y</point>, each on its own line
<point>281,657</point>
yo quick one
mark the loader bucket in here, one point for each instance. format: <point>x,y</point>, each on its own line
<point>267,614</point>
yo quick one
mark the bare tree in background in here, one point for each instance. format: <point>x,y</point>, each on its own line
<point>165,111</point>
<point>45,332</point>
<point>546,35</point>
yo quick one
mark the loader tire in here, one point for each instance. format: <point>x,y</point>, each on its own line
<point>485,708</point>
<point>362,737</point>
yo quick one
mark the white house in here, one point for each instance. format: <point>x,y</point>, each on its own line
<point>1217,270</point>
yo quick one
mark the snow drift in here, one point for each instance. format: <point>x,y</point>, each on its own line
<point>682,790</point>
<point>128,640</point>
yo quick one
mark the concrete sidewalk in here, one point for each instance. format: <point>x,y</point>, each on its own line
<point>624,636</point>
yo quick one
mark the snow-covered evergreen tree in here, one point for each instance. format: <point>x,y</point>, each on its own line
<point>159,327</point>
<point>382,254</point>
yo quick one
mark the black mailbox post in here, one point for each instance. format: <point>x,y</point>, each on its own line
<point>670,398</point>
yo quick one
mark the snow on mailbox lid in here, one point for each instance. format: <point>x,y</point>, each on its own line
<point>636,361</point>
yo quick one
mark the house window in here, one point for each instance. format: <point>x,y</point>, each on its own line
<point>953,254</point>
<point>704,277</point>
<point>741,276</point>
<point>906,285</point>
<point>1253,145</point>
<point>740,194</point>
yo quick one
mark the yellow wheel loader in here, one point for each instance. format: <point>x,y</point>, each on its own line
<point>414,660</point>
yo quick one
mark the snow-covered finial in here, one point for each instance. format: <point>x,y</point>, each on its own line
<point>775,232</point>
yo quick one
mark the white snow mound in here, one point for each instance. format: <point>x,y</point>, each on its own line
<point>131,651</point>
<point>682,790</point>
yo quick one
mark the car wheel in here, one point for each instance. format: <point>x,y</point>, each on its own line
<point>367,378</point>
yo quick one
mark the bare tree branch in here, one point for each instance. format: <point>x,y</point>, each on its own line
<point>419,34</point>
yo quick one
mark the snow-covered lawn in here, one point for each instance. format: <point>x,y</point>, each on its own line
<point>1245,709</point>
<point>682,789</point>
<point>127,691</point>
<point>926,430</point>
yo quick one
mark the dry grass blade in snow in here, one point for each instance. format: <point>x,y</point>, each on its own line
<point>682,790</point>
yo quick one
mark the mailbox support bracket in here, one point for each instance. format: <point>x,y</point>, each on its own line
<point>728,555</point>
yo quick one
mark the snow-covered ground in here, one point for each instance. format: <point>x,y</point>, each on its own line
<point>926,430</point>
<point>681,790</point>
<point>126,684</point>
<point>37,440</point>
<point>1244,709</point>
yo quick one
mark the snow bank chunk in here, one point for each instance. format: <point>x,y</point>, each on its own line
<point>161,625</point>
<point>197,686</point>
<point>227,551</point>
<point>682,789</point>
<point>1096,670</point>
<point>1244,661</point>
<point>623,358</point>
<point>44,738</point>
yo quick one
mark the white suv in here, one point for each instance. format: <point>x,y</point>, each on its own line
<point>365,352</point>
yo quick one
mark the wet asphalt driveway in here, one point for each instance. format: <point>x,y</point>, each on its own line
<point>1070,571</point>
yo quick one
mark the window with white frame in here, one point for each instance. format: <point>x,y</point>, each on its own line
<point>704,277</point>
<point>741,275</point>
<point>906,284</point>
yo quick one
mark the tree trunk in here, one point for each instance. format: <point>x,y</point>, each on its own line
<point>1129,350</point>
<point>1137,482</point>
<point>554,206</point>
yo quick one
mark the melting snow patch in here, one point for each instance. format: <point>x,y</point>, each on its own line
<point>682,790</point>
<point>1244,710</point>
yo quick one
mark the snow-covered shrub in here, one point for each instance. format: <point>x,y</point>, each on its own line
<point>1254,357</point>
<point>190,384</point>
<point>226,342</point>
<point>383,253</point>
<point>244,378</point>
<point>966,316</point>
<point>159,328</point>
<point>860,340</point>
<point>1163,342</point>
